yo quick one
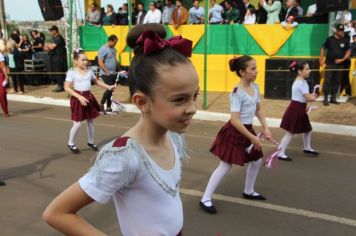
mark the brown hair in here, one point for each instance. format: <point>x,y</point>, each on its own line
<point>239,63</point>
<point>143,71</point>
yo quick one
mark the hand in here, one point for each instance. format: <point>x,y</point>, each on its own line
<point>4,83</point>
<point>122,72</point>
<point>267,134</point>
<point>338,61</point>
<point>112,87</point>
<point>107,73</point>
<point>83,101</point>
<point>256,143</point>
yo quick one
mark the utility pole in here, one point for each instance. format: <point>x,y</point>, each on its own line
<point>3,19</point>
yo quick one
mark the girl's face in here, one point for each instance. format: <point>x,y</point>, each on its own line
<point>82,61</point>
<point>173,101</point>
<point>250,73</point>
<point>305,72</point>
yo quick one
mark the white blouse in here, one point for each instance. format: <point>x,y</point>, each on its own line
<point>146,196</point>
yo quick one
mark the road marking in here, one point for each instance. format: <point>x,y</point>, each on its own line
<point>187,135</point>
<point>268,206</point>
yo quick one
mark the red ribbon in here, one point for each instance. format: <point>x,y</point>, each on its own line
<point>152,42</point>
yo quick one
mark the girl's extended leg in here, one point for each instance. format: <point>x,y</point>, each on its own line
<point>3,100</point>
<point>251,176</point>
<point>72,135</point>
<point>90,130</point>
<point>284,144</point>
<point>215,179</point>
<point>307,144</point>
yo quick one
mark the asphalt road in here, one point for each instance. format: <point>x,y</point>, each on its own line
<point>309,196</point>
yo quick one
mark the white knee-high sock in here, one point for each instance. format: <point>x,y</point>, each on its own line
<point>284,143</point>
<point>215,179</point>
<point>90,129</point>
<point>251,175</point>
<point>307,140</point>
<point>73,132</point>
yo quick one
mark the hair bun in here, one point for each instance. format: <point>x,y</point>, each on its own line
<point>137,30</point>
<point>232,63</point>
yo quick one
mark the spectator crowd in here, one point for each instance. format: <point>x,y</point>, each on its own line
<point>226,12</point>
<point>20,48</point>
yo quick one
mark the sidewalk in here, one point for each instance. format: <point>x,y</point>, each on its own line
<point>343,114</point>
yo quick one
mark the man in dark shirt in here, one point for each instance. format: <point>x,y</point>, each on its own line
<point>58,58</point>
<point>337,52</point>
<point>291,10</point>
<point>38,41</point>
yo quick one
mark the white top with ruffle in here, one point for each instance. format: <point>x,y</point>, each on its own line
<point>146,196</point>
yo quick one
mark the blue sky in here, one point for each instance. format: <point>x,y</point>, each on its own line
<point>28,10</point>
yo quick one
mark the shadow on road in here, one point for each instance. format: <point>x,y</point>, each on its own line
<point>29,169</point>
<point>30,111</point>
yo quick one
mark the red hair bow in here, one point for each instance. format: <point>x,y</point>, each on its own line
<point>152,42</point>
<point>293,64</point>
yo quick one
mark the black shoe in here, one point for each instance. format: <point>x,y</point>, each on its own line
<point>102,109</point>
<point>253,197</point>
<point>326,102</point>
<point>312,152</point>
<point>108,110</point>
<point>93,146</point>
<point>2,183</point>
<point>209,209</point>
<point>285,158</point>
<point>74,149</point>
<point>334,101</point>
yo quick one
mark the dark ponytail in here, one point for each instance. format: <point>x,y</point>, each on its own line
<point>143,72</point>
<point>239,63</point>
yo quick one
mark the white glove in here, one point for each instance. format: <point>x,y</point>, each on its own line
<point>4,83</point>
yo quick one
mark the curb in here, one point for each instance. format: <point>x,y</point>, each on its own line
<point>345,130</point>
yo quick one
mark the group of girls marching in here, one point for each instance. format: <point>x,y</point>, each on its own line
<point>141,170</point>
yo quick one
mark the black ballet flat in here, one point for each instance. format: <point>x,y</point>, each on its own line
<point>93,146</point>
<point>74,149</point>
<point>285,158</point>
<point>209,209</point>
<point>312,152</point>
<point>253,197</point>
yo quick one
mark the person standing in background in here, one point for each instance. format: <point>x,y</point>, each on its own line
<point>337,48</point>
<point>58,58</point>
<point>167,13</point>
<point>108,63</point>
